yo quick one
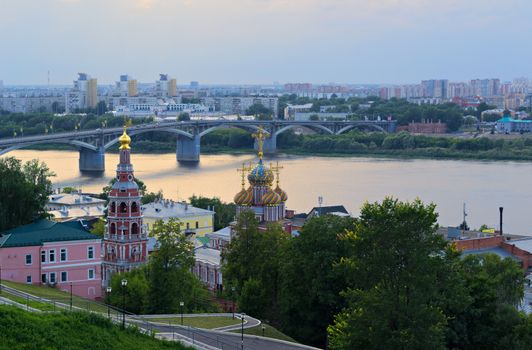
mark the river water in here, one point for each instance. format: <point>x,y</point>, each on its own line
<point>483,186</point>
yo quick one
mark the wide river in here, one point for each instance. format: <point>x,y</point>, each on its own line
<point>483,186</point>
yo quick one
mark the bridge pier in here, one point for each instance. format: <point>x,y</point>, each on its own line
<point>188,150</point>
<point>269,145</point>
<point>90,160</point>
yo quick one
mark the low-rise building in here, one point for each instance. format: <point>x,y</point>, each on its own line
<point>193,220</point>
<point>73,206</point>
<point>44,252</point>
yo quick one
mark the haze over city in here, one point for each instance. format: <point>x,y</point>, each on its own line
<point>262,41</point>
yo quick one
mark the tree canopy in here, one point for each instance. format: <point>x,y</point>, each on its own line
<point>24,190</point>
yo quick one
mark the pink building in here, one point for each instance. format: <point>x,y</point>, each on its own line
<point>55,254</point>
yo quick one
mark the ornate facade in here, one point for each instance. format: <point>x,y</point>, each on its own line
<point>124,245</point>
<point>267,202</point>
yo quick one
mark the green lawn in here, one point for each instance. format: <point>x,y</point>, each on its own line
<point>31,303</point>
<point>200,322</point>
<point>57,295</point>
<point>269,332</point>
<point>74,331</point>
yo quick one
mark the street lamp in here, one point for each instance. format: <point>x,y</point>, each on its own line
<point>124,284</point>
<point>70,296</point>
<point>242,316</point>
<point>0,279</point>
<point>181,304</point>
<point>233,299</point>
<point>263,329</point>
<point>108,290</point>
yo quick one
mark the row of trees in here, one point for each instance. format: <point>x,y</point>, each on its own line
<point>40,123</point>
<point>167,280</point>
<point>384,280</point>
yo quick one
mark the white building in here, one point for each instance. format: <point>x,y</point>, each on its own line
<point>73,206</point>
<point>239,105</point>
<point>83,94</point>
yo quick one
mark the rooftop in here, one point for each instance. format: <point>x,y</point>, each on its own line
<point>42,231</point>
<point>208,255</point>
<point>73,199</point>
<point>170,209</point>
<point>67,213</point>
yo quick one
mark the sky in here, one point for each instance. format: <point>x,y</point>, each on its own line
<point>264,41</point>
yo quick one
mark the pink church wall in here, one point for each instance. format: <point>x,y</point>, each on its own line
<point>76,265</point>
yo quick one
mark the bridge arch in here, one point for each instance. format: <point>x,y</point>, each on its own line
<point>138,132</point>
<point>245,127</point>
<point>74,143</point>
<point>367,125</point>
<point>311,127</point>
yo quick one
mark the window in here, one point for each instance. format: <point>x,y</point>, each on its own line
<point>28,279</point>
<point>51,255</point>
<point>43,278</point>
<point>63,255</point>
<point>52,277</point>
<point>43,256</point>
<point>197,224</point>
<point>64,276</point>
<point>91,274</point>
<point>90,253</point>
<point>28,259</point>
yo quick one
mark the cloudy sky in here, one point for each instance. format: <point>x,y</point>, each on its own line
<point>262,41</point>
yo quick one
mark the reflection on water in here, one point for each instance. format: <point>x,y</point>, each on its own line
<point>484,186</point>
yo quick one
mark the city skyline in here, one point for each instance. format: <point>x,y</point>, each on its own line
<point>262,41</point>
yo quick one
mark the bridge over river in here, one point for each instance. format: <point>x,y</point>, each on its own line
<point>92,144</point>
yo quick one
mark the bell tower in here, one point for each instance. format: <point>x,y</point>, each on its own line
<point>124,243</point>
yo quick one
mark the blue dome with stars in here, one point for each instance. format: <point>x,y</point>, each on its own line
<point>260,175</point>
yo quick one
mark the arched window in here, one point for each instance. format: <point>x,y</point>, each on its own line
<point>113,229</point>
<point>135,229</point>
<point>113,207</point>
<point>123,207</point>
<point>134,207</point>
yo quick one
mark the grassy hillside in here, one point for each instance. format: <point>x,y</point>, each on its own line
<point>24,330</point>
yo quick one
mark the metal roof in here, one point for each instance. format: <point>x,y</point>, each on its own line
<point>42,231</point>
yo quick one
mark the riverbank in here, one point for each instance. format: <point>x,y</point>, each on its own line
<point>149,147</point>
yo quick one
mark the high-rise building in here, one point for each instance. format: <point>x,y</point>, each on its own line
<point>126,86</point>
<point>83,95</point>
<point>124,244</point>
<point>165,86</point>
<point>435,88</point>
<point>485,87</point>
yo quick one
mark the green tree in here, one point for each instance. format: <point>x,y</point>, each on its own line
<point>224,213</point>
<point>183,117</point>
<point>394,263</point>
<point>311,282</point>
<point>173,259</point>
<point>101,108</point>
<point>98,228</point>
<point>260,111</point>
<point>152,197</point>
<point>135,293</point>
<point>253,263</point>
<point>24,190</point>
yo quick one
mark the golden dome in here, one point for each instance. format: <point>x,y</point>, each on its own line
<point>124,140</point>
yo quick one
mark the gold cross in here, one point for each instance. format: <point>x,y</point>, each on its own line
<point>244,170</point>
<point>276,168</point>
<point>260,136</point>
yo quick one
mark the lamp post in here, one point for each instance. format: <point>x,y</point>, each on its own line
<point>108,290</point>
<point>181,304</point>
<point>233,300</point>
<point>124,284</point>
<point>263,329</point>
<point>242,316</point>
<point>70,296</point>
<point>0,279</point>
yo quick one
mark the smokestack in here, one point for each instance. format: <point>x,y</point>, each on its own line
<point>500,219</point>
